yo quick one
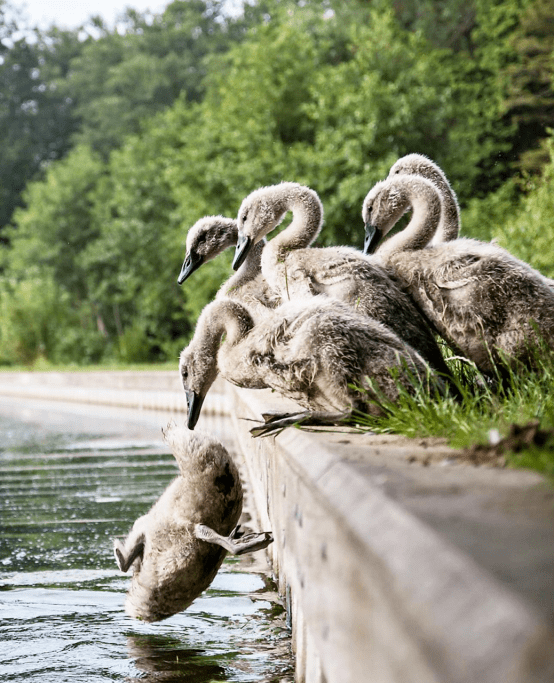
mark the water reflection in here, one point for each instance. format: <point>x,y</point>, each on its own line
<point>165,659</point>
<point>62,597</point>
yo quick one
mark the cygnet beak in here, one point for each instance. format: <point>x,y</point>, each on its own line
<point>373,236</point>
<point>194,402</point>
<point>192,262</point>
<point>241,252</point>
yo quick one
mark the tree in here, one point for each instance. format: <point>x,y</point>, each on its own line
<point>528,230</point>
<point>51,233</point>
<point>36,121</point>
<point>316,92</point>
<point>494,54</point>
<point>133,263</point>
<point>119,80</point>
<point>445,24</point>
<point>395,96</point>
<point>530,83</point>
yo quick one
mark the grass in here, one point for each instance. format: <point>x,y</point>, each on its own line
<point>486,412</point>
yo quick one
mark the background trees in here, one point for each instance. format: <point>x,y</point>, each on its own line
<point>36,118</point>
<point>116,142</point>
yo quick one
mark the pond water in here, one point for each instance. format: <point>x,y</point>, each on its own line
<point>63,498</point>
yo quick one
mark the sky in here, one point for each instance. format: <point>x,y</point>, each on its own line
<point>70,14</point>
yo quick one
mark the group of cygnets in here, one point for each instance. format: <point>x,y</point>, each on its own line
<point>338,330</point>
<point>335,329</point>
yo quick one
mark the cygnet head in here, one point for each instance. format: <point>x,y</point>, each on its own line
<point>198,362</point>
<point>416,164</point>
<point>388,201</point>
<point>198,370</point>
<point>383,207</point>
<point>262,211</point>
<point>420,165</point>
<point>207,238</point>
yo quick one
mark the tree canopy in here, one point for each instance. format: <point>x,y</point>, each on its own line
<point>117,140</point>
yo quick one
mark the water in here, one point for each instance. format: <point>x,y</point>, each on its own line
<point>63,498</point>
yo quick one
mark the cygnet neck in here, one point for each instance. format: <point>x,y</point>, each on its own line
<point>425,202</point>
<point>307,217</point>
<point>223,317</point>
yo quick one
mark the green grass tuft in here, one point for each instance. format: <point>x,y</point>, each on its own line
<point>485,404</point>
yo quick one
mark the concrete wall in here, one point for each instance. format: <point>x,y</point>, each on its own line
<point>376,594</point>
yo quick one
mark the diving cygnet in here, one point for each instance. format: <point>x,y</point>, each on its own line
<point>177,548</point>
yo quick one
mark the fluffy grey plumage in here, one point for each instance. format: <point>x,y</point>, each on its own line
<point>343,273</point>
<point>176,549</point>
<point>311,351</point>
<point>417,164</point>
<point>450,223</point>
<point>483,300</point>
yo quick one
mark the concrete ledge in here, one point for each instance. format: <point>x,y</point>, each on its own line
<point>154,390</point>
<point>377,590</point>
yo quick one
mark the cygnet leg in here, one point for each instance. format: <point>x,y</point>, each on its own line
<point>274,423</point>
<point>136,551</point>
<point>236,543</point>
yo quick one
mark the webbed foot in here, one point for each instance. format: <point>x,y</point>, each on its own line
<point>119,551</point>
<point>117,546</point>
<point>275,423</point>
<point>237,543</point>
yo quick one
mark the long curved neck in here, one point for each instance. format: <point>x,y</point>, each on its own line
<point>222,317</point>
<point>449,224</point>
<point>247,272</point>
<point>426,213</point>
<point>307,219</point>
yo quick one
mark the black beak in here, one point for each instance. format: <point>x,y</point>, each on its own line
<point>372,238</point>
<point>192,262</point>
<point>241,252</point>
<point>194,402</point>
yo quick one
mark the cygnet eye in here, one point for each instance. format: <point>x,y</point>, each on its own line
<point>245,216</point>
<point>369,208</point>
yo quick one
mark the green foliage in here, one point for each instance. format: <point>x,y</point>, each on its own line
<point>514,49</point>
<point>445,24</point>
<point>133,344</point>
<point>184,113</point>
<point>528,232</point>
<point>133,263</point>
<point>396,95</point>
<point>36,120</point>
<point>280,108</point>
<point>118,81</point>
<point>530,88</point>
<point>482,217</point>
<point>52,232</point>
<point>37,321</point>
